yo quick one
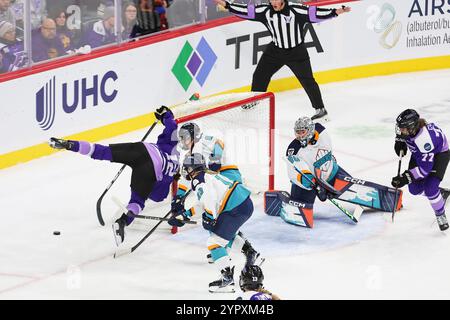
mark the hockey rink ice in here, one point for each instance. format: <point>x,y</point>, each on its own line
<point>376,259</point>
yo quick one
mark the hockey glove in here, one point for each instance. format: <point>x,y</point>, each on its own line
<point>214,163</point>
<point>402,180</point>
<point>161,111</point>
<point>322,194</point>
<point>177,205</point>
<point>179,222</point>
<point>208,221</point>
<point>400,145</point>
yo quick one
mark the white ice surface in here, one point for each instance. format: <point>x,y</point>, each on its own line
<point>376,259</point>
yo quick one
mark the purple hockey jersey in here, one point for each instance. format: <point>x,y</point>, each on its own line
<point>424,146</point>
<point>165,157</point>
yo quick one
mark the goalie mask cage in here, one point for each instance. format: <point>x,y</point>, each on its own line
<point>245,122</point>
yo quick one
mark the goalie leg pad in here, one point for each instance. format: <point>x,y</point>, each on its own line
<point>298,213</point>
<point>273,201</point>
<point>279,203</point>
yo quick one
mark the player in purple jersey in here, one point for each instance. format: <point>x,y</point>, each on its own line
<point>251,283</point>
<point>153,165</point>
<point>429,160</point>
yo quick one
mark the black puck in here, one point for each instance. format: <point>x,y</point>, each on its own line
<point>56,233</point>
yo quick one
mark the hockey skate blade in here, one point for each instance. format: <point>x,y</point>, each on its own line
<point>227,289</point>
<point>117,238</point>
<point>358,212</point>
<point>121,252</point>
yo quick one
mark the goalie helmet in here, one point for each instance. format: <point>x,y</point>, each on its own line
<point>188,133</point>
<point>193,164</point>
<point>251,278</point>
<point>407,123</point>
<point>304,130</point>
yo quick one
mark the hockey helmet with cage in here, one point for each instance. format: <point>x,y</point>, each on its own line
<point>304,130</point>
<point>189,130</point>
<point>251,278</point>
<point>407,123</point>
<point>193,164</point>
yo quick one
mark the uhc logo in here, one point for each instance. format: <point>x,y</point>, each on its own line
<point>72,94</point>
<point>192,64</point>
<point>45,105</point>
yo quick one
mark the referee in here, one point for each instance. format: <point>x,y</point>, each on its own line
<point>285,22</point>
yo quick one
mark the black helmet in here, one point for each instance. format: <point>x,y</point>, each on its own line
<point>251,278</point>
<point>189,130</point>
<point>193,163</point>
<point>408,119</point>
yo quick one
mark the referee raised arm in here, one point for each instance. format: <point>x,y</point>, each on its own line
<point>285,22</point>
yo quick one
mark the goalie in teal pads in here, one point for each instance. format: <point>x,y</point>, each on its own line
<point>225,205</point>
<point>314,172</point>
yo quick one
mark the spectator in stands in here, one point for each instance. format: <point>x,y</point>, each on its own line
<point>66,36</point>
<point>147,19</point>
<point>7,34</point>
<point>12,55</point>
<point>128,19</point>
<point>38,12</point>
<point>44,42</point>
<point>102,32</point>
<point>6,12</point>
<point>160,9</point>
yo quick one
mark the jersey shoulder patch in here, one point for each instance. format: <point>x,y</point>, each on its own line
<point>424,142</point>
<point>318,127</point>
<point>293,148</point>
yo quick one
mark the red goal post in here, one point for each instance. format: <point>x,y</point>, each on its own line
<point>245,122</point>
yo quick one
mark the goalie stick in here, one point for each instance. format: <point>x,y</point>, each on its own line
<point>320,183</point>
<point>99,201</point>
<point>122,252</point>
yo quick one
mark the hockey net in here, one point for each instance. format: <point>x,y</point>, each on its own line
<point>245,122</point>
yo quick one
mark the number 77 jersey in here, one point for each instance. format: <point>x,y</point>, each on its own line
<point>424,147</point>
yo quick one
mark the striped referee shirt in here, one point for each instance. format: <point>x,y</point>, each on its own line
<point>286,25</point>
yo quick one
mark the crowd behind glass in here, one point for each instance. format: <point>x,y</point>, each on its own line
<point>34,31</point>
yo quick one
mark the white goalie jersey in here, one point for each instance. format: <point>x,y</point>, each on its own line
<point>304,163</point>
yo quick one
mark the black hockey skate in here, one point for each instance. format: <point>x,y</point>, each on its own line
<point>119,229</point>
<point>56,143</point>
<point>321,114</point>
<point>442,222</point>
<point>225,284</point>
<point>209,258</point>
<point>252,257</point>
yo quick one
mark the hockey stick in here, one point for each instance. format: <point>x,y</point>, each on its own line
<point>396,189</point>
<point>130,250</point>
<point>99,201</point>
<point>124,209</point>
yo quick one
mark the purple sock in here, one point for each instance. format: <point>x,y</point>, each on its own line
<point>102,152</point>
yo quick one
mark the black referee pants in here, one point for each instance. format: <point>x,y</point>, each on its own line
<point>297,59</point>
